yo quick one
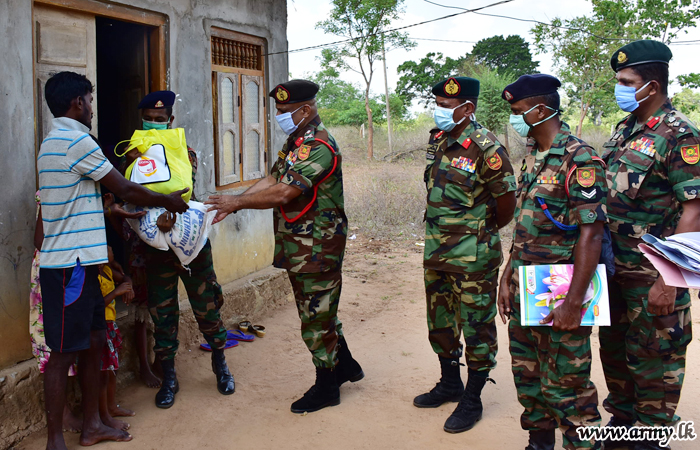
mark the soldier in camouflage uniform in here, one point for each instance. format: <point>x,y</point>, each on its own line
<point>552,365</point>
<point>653,174</point>
<point>163,269</point>
<point>305,189</point>
<point>471,186</point>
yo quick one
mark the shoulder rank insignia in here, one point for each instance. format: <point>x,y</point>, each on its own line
<point>653,122</point>
<point>552,179</point>
<point>585,176</point>
<point>482,140</point>
<point>304,152</point>
<point>467,142</point>
<point>522,169</point>
<point>494,161</point>
<point>281,154</point>
<point>309,136</point>
<point>463,163</point>
<point>644,145</point>
<point>691,153</point>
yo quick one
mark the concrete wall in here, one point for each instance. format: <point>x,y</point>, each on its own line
<point>242,244</point>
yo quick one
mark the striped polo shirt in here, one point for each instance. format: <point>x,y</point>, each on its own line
<point>70,165</point>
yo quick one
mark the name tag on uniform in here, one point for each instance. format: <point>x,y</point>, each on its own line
<point>463,163</point>
<point>430,156</point>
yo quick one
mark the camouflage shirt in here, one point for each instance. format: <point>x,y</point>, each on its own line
<point>316,241</point>
<point>570,179</point>
<point>652,168</point>
<point>464,177</point>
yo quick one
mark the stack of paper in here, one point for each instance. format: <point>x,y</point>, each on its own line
<point>677,258</point>
<point>545,287</point>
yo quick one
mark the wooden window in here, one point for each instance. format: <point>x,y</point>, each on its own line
<point>239,91</point>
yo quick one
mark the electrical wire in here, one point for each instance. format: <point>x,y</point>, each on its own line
<point>332,44</point>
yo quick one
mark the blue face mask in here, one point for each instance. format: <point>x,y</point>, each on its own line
<point>517,121</point>
<point>444,117</point>
<point>148,125</point>
<point>626,97</point>
<point>286,122</point>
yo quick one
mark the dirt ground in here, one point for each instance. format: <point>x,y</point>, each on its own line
<point>383,313</point>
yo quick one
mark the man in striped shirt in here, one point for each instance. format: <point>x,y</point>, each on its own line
<point>71,166</point>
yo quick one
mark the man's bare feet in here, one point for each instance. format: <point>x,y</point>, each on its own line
<point>118,411</point>
<point>116,424</point>
<point>149,378</point>
<point>103,433</point>
<point>71,423</point>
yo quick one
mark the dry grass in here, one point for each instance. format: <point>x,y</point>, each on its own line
<point>385,198</point>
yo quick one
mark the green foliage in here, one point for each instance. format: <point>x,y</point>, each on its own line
<point>691,80</point>
<point>581,53</point>
<point>687,101</point>
<point>418,78</point>
<point>492,111</point>
<point>505,55</point>
<point>363,21</point>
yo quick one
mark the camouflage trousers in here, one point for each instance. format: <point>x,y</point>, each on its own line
<point>462,303</point>
<point>163,270</point>
<point>552,372</point>
<point>644,355</point>
<point>317,296</point>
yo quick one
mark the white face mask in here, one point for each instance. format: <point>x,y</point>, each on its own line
<point>286,122</point>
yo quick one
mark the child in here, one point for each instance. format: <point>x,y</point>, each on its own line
<point>109,274</point>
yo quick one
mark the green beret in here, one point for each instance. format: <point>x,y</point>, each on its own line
<point>640,52</point>
<point>457,87</point>
<point>294,91</point>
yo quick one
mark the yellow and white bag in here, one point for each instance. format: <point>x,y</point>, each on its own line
<point>164,165</point>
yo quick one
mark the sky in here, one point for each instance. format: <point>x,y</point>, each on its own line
<point>304,14</point>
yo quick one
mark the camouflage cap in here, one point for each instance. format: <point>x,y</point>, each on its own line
<point>457,87</point>
<point>640,52</point>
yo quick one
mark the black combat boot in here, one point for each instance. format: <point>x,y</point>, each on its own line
<point>324,393</point>
<point>166,395</point>
<point>609,444</point>
<point>347,368</point>
<point>224,379</point>
<point>448,389</point>
<point>541,440</point>
<point>469,409</point>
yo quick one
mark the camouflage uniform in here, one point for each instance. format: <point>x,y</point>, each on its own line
<point>206,297</point>
<point>464,177</point>
<point>652,168</point>
<point>311,249</point>
<point>552,369</point>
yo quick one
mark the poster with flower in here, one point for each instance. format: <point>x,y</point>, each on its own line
<point>544,287</point>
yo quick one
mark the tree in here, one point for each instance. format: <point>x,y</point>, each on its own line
<point>691,80</point>
<point>363,22</point>
<point>581,47</point>
<point>511,54</point>
<point>418,78</point>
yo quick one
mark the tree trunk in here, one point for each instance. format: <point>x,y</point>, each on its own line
<point>370,127</point>
<point>584,110</point>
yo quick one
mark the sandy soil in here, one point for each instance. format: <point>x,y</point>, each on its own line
<point>383,314</point>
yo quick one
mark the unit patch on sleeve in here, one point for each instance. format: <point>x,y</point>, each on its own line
<point>494,161</point>
<point>463,163</point>
<point>691,153</point>
<point>304,152</point>
<point>585,176</point>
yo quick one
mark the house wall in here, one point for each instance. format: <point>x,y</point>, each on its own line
<point>242,244</point>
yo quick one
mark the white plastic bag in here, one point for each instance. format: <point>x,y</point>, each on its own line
<point>186,238</point>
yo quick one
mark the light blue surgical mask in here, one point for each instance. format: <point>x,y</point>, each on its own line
<point>444,117</point>
<point>626,97</point>
<point>148,125</point>
<point>517,121</point>
<point>286,122</point>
